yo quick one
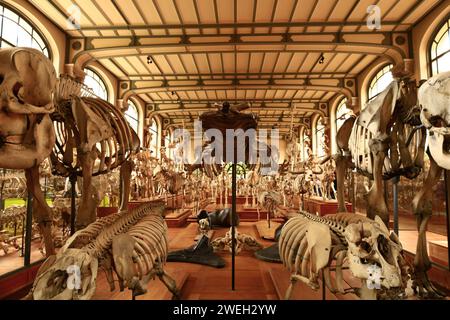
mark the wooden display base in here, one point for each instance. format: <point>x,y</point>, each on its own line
<point>156,289</point>
<point>264,231</point>
<point>439,251</point>
<point>239,200</point>
<point>281,280</point>
<point>177,218</point>
<point>323,207</point>
<point>18,280</point>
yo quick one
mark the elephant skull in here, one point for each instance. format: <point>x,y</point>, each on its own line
<point>27,82</point>
<point>370,247</point>
<point>434,102</point>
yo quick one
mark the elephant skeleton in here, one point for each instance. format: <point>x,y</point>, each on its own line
<point>39,118</point>
<point>383,142</point>
<point>310,244</point>
<point>132,244</point>
<point>434,102</point>
<point>388,140</point>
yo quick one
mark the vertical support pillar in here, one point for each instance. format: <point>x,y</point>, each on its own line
<point>29,227</point>
<point>447,207</point>
<point>395,181</point>
<point>73,210</point>
<point>233,228</point>
<point>353,191</point>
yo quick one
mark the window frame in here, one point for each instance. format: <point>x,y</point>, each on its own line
<point>430,60</point>
<point>101,79</point>
<point>376,78</point>
<point>132,104</point>
<point>34,30</point>
<point>322,130</point>
<point>342,103</point>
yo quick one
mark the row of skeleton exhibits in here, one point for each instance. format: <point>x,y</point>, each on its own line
<point>45,117</point>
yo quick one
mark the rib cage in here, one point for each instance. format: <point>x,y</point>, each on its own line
<point>295,251</point>
<point>111,152</point>
<point>121,224</point>
<point>359,147</point>
<point>361,155</point>
<point>151,244</point>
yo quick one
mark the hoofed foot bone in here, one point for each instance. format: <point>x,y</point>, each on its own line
<point>424,288</point>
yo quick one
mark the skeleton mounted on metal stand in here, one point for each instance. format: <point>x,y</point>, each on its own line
<point>434,102</point>
<point>387,141</point>
<point>44,117</point>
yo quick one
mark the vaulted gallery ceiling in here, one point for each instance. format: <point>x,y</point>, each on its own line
<point>288,58</point>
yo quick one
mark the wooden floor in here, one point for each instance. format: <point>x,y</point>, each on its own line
<point>253,280</point>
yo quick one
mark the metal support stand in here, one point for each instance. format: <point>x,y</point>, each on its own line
<point>29,226</point>
<point>353,197</point>
<point>395,200</point>
<point>233,228</point>
<point>73,209</point>
<point>447,207</point>
<point>324,293</point>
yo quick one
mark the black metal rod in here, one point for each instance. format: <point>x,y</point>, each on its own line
<point>29,226</point>
<point>73,210</point>
<point>395,199</point>
<point>324,293</point>
<point>233,215</point>
<point>447,207</point>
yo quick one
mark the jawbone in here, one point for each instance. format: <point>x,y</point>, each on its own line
<point>25,156</point>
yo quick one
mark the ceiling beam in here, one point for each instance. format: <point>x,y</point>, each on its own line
<point>259,101</point>
<point>248,76</point>
<point>237,25</point>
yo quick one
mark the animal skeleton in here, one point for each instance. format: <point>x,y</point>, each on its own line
<point>92,136</point>
<point>434,101</point>
<point>13,184</point>
<point>243,241</point>
<point>387,123</point>
<point>309,244</point>
<point>381,142</point>
<point>132,244</point>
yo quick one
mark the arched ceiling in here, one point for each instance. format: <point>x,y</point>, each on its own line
<point>288,58</point>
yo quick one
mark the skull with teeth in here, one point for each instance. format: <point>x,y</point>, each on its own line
<point>434,102</point>
<point>370,246</point>
<point>27,82</point>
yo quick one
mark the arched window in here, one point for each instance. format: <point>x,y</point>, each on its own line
<point>17,31</point>
<point>132,116</point>
<point>320,138</point>
<point>440,50</point>
<point>380,82</point>
<point>167,141</point>
<point>342,113</point>
<point>96,84</point>
<point>153,130</point>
